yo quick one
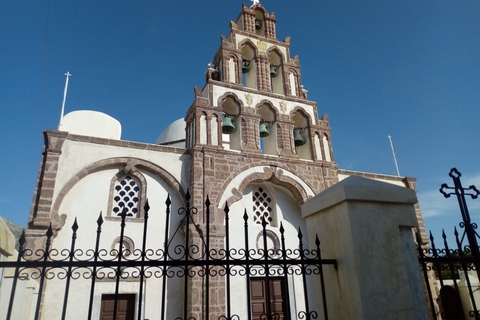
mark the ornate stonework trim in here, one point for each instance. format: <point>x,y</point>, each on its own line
<point>300,190</point>
<point>129,245</point>
<point>234,96</point>
<point>278,52</point>
<point>248,42</point>
<point>305,114</point>
<point>272,236</point>
<point>113,162</point>
<point>271,105</point>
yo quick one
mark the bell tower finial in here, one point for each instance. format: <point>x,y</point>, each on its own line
<point>255,2</point>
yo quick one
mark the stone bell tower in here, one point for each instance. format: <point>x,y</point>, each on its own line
<point>253,111</point>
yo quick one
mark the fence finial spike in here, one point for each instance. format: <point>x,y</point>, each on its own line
<point>282,229</point>
<point>245,215</point>
<point>100,219</point>
<point>207,202</point>
<point>49,233</point>
<point>300,235</point>
<point>264,223</point>
<point>226,209</point>
<point>75,225</point>
<point>146,207</point>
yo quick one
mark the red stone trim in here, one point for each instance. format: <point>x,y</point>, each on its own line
<point>250,43</point>
<point>272,174</point>
<point>125,144</point>
<point>235,97</point>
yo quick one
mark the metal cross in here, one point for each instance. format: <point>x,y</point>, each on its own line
<point>460,193</point>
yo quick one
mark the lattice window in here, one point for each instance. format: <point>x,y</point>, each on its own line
<point>262,206</point>
<point>126,194</point>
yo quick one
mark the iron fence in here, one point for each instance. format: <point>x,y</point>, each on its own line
<point>185,261</point>
<point>457,268</point>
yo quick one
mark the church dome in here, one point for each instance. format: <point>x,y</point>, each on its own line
<point>91,123</point>
<point>173,135</point>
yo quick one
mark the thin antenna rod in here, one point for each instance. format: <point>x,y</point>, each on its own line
<point>393,152</point>
<point>64,98</point>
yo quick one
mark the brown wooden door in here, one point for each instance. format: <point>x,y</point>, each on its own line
<point>278,297</point>
<point>125,307</point>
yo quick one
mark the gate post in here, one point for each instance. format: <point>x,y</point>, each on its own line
<point>367,225</point>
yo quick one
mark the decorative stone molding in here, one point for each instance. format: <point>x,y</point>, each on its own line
<point>121,161</point>
<point>270,174</point>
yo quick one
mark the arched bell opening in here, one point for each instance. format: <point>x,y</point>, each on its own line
<point>276,72</point>
<point>268,130</point>
<point>259,23</point>
<point>301,136</point>
<point>248,67</point>
<point>231,124</point>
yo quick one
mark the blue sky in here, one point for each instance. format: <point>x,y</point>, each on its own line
<point>409,69</point>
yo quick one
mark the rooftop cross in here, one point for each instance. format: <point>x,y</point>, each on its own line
<point>68,74</point>
<point>255,2</point>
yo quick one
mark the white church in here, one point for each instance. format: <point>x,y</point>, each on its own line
<point>252,141</point>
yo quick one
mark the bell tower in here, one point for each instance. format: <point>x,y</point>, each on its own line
<point>253,107</point>
<point>254,112</point>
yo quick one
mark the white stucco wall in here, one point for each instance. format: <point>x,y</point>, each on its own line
<point>71,163</point>
<point>85,201</point>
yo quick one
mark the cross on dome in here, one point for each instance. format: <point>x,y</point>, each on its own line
<point>255,2</point>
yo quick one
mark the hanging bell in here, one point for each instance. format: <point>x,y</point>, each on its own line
<point>263,130</point>
<point>297,138</point>
<point>245,66</point>
<point>227,126</point>
<point>258,24</point>
<point>273,71</point>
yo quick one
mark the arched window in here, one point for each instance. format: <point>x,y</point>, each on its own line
<point>326,148</point>
<point>127,192</point>
<point>263,207</point>
<point>203,128</point>
<point>126,195</point>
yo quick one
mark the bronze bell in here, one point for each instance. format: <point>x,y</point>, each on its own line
<point>273,71</point>
<point>227,126</point>
<point>258,24</point>
<point>263,130</point>
<point>297,138</point>
<point>245,66</point>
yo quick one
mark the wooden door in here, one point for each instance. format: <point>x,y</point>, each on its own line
<point>125,307</point>
<point>278,297</point>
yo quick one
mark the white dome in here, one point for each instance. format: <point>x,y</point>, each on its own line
<point>173,135</point>
<point>91,123</point>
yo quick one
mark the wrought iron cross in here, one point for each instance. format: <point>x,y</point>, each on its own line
<point>460,193</point>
